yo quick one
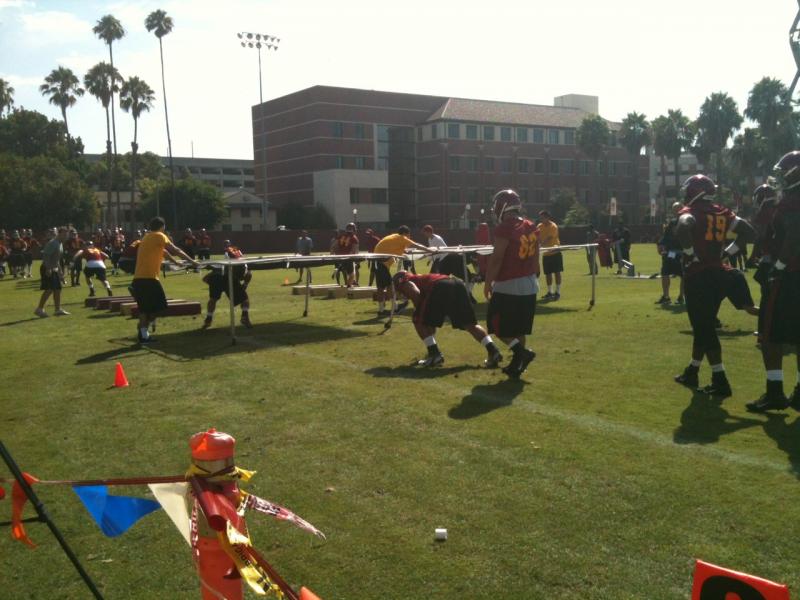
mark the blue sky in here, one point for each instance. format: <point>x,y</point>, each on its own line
<point>638,55</point>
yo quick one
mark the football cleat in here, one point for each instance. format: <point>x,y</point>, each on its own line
<point>679,300</point>
<point>718,387</point>
<point>493,361</point>
<point>556,296</point>
<point>547,296</point>
<point>246,321</point>
<point>432,360</point>
<point>519,363</point>
<point>61,312</point>
<point>663,300</point>
<point>400,306</point>
<point>768,402</point>
<point>688,378</point>
<point>207,323</point>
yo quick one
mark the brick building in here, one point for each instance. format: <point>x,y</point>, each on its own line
<point>408,158</point>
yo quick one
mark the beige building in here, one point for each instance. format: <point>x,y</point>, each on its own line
<point>247,212</point>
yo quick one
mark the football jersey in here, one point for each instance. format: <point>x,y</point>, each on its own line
<point>74,244</point>
<point>787,216</point>
<point>188,241</point>
<point>18,245</point>
<point>92,254</point>
<point>712,223</point>
<point>548,237</point>
<point>346,244</point>
<point>521,258</point>
<point>425,282</point>
<point>204,240</point>
<point>762,223</point>
<point>132,249</point>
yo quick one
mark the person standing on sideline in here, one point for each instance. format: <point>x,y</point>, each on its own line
<point>511,279</point>
<point>304,246</point>
<point>435,298</point>
<point>780,314</point>
<point>670,250</point>
<point>591,238</point>
<point>51,272</point>
<point>203,245</point>
<point>621,236</point>
<point>145,287</point>
<point>703,230</point>
<point>552,260</point>
<point>371,241</point>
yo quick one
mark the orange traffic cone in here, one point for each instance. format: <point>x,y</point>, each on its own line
<point>119,379</point>
<point>285,281</point>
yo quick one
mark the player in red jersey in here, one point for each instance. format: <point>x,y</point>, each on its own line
<point>72,246</point>
<point>33,244</point>
<point>117,244</point>
<point>347,243</point>
<point>203,245</point>
<point>781,310</point>
<point>95,266</point>
<point>16,259</point>
<point>511,279</point>
<point>435,297</point>
<point>704,231</point>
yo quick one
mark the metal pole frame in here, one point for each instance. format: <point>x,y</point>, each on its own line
<point>231,302</point>
<point>308,290</point>
<point>45,518</point>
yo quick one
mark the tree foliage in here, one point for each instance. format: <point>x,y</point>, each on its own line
<point>718,120</point>
<point>6,96</point>
<point>577,215</point>
<point>561,203</point>
<point>592,136</point>
<point>63,87</point>
<point>198,203</point>
<point>294,216</point>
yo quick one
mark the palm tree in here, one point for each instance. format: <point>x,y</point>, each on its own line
<point>161,24</point>
<point>135,97</point>
<point>718,120</point>
<point>682,138</point>
<point>746,155</point>
<point>634,135</point>
<point>592,137</point>
<point>6,96</point>
<point>109,29</point>
<point>769,105</point>
<point>101,81</point>
<point>63,87</point>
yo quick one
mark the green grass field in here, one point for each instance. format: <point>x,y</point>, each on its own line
<point>596,477</point>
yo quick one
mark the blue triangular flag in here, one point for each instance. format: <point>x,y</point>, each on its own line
<point>114,514</point>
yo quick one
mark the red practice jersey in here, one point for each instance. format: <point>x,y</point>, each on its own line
<point>74,244</point>
<point>712,223</point>
<point>92,254</point>
<point>204,240</point>
<point>346,243</point>
<point>426,281</point>
<point>521,258</point>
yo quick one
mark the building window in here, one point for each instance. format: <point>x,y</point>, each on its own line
<point>455,163</point>
<point>245,213</point>
<point>586,196</point>
<point>612,138</point>
<point>612,167</point>
<point>538,196</point>
<point>247,227</point>
<point>434,131</point>
<point>471,196</point>
<point>522,134</point>
<point>522,165</point>
<point>338,130</point>
<point>472,163</point>
<point>568,166</point>
<point>453,131</point>
<point>488,133</point>
<point>538,136</point>
<point>360,131</point>
<point>552,136</point>
<point>472,132</point>
<point>523,195</point>
<point>569,137</point>
<point>505,165</point>
<point>339,162</point>
<point>489,163</point>
<point>455,196</point>
<point>226,227</point>
<point>584,167</point>
<point>599,169</point>
<point>360,162</point>
<point>554,166</point>
<point>538,166</point>
<point>505,134</point>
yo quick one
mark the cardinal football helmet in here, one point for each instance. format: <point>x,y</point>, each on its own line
<point>505,201</point>
<point>763,192</point>
<point>697,187</point>
<point>787,171</point>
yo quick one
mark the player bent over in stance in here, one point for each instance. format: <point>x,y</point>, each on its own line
<point>218,281</point>
<point>703,230</point>
<point>511,279</point>
<point>438,296</point>
<point>95,266</point>
<point>780,313</point>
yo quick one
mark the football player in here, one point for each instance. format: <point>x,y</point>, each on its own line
<point>705,229</point>
<point>218,283</point>
<point>511,279</point>
<point>780,322</point>
<point>95,266</point>
<point>435,297</point>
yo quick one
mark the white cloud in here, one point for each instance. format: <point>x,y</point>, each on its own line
<point>53,26</point>
<point>14,4</point>
<point>19,81</point>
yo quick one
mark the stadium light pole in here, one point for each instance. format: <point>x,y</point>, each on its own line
<point>269,42</point>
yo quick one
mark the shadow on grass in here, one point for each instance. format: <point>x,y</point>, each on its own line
<point>786,436</point>
<point>485,398</point>
<point>196,344</point>
<point>17,322</point>
<point>673,308</point>
<point>704,421</point>
<point>415,372</point>
<point>723,333</point>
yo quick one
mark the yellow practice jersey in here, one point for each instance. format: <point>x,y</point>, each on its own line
<point>150,255</point>
<point>548,236</point>
<point>394,243</point>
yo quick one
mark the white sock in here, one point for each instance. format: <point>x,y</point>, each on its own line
<point>486,341</point>
<point>430,341</point>
<point>144,333</point>
<point>775,375</point>
<point>381,305</point>
<point>717,368</point>
<point>558,288</point>
<point>513,343</point>
<point>245,310</point>
<point>210,314</point>
<point>549,289</point>
<point>695,363</point>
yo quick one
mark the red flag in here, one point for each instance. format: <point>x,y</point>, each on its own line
<point>18,500</point>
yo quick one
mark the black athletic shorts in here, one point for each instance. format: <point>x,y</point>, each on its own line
<point>704,293</point>
<point>511,316</point>
<point>98,272</point>
<point>149,296</point>
<point>203,254</point>
<point>737,290</point>
<point>383,278</point>
<point>28,258</point>
<point>346,266</point>
<point>218,284</point>
<point>781,311</point>
<point>127,264</point>
<point>17,259</point>
<point>49,282</point>
<point>189,251</point>
<point>553,263</point>
<point>451,264</point>
<point>447,298</point>
<point>671,266</point>
<point>77,264</point>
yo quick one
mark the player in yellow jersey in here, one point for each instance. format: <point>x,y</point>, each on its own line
<point>552,261</point>
<point>146,288</point>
